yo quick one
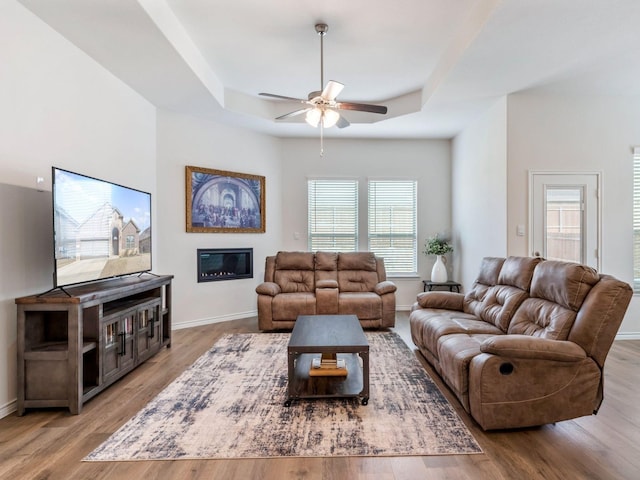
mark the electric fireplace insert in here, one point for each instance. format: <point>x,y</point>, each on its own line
<point>215,264</point>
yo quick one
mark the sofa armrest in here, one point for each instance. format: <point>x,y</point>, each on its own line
<point>327,284</point>
<point>385,287</point>
<point>536,348</point>
<point>445,300</point>
<point>268,288</point>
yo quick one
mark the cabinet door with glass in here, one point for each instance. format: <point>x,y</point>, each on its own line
<point>149,330</point>
<point>118,345</point>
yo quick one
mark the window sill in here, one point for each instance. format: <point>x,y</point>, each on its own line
<point>404,276</point>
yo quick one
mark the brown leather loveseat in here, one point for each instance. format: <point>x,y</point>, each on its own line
<point>526,346</point>
<point>325,283</point>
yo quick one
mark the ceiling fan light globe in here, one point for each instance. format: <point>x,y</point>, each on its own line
<point>313,117</point>
<point>330,118</point>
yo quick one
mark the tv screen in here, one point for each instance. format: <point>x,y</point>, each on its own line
<point>100,229</point>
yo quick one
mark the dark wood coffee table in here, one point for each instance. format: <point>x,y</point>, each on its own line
<point>338,335</point>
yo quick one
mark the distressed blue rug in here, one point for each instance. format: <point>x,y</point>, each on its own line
<point>229,404</point>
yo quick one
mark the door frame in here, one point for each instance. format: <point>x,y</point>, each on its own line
<point>598,177</point>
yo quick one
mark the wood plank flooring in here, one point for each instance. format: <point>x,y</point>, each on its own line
<point>50,444</point>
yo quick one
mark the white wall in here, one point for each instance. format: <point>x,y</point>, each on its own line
<point>479,192</point>
<point>578,133</point>
<point>57,107</point>
<point>187,140</point>
<point>427,161</point>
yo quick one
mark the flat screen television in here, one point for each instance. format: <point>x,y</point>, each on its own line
<point>100,229</point>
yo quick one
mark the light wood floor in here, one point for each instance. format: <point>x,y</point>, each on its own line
<point>51,444</point>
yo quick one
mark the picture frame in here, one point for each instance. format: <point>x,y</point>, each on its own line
<point>218,201</point>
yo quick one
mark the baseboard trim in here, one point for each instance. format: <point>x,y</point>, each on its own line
<point>8,408</point>
<point>239,316</point>
<point>208,321</point>
<point>628,336</point>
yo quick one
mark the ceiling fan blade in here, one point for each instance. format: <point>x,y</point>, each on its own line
<point>331,90</point>
<point>282,97</point>
<point>294,113</point>
<point>362,107</point>
<point>342,122</point>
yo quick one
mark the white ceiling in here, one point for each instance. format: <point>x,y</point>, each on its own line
<point>435,63</point>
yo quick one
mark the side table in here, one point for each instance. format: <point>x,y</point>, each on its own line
<point>428,285</point>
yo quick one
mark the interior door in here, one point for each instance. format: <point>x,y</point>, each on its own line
<point>564,216</point>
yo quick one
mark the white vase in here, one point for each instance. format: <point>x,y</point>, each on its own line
<point>439,270</point>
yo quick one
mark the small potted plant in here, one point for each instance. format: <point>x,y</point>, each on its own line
<point>438,246</point>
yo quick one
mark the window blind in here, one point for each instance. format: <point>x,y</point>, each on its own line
<point>392,231</point>
<point>333,215</point>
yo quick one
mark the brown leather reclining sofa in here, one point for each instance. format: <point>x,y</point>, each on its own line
<point>325,283</point>
<point>526,346</point>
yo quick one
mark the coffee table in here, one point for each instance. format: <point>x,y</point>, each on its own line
<point>328,335</point>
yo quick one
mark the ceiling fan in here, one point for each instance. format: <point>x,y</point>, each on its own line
<point>321,107</point>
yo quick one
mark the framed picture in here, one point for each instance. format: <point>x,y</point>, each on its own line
<point>224,202</point>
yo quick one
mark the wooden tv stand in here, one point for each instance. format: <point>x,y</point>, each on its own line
<point>74,343</point>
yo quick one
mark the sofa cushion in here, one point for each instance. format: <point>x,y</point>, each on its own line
<point>557,292</point>
<point>366,305</point>
<point>499,305</point>
<point>435,299</point>
<point>429,325</point>
<point>287,306</point>
<point>541,318</point>
<point>326,261</point>
<point>357,261</point>
<point>326,266</point>
<point>490,270</point>
<point>488,276</point>
<point>292,281</point>
<point>294,272</point>
<point>496,303</point>
<point>357,281</point>
<point>518,271</point>
<point>455,353</point>
<point>564,283</point>
<point>357,272</point>
<point>294,261</point>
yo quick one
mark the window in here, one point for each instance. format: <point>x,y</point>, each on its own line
<point>392,232</point>
<point>636,219</point>
<point>333,215</point>
<point>130,242</point>
<point>563,228</point>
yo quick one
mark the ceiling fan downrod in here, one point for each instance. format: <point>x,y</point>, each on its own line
<point>322,29</point>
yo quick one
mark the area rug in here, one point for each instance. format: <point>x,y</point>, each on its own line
<point>230,404</point>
